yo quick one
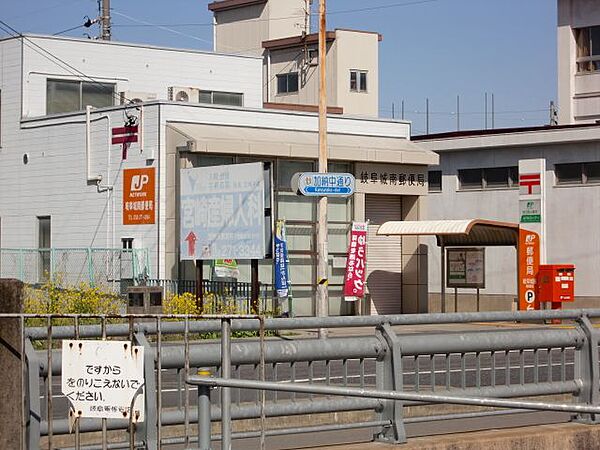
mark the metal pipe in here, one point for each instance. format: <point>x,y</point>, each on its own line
<point>225,391</point>
<point>204,429</point>
<point>394,395</point>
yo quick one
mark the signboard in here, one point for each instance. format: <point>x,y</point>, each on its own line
<point>101,379</point>
<point>530,211</point>
<point>532,199</point>
<point>126,136</point>
<point>354,282</point>
<point>282,275</point>
<point>323,184</point>
<point>139,196</point>
<point>223,212</point>
<point>466,268</point>
<point>529,264</point>
<point>226,268</point>
<point>391,179</point>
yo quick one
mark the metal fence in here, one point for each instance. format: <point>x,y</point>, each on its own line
<point>221,295</point>
<point>382,375</point>
<point>106,268</point>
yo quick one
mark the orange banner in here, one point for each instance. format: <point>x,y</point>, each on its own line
<point>139,196</point>
<point>529,265</point>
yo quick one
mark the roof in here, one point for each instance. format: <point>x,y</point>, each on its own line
<point>232,4</point>
<point>297,41</point>
<point>302,107</point>
<point>453,233</point>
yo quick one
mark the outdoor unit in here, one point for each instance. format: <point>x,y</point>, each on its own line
<point>184,94</point>
<point>144,300</point>
<point>136,97</point>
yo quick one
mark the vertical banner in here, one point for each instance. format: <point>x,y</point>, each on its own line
<point>139,196</point>
<point>282,277</point>
<point>354,284</point>
<point>529,265</point>
<point>532,200</point>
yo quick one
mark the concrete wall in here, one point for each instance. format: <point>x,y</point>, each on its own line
<point>578,94</point>
<point>136,68</point>
<point>357,51</point>
<point>573,214</point>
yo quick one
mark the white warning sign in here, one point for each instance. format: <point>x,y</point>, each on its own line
<point>101,379</point>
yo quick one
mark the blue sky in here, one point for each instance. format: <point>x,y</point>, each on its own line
<point>434,49</point>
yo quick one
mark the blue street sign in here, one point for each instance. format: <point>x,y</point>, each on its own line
<point>314,184</point>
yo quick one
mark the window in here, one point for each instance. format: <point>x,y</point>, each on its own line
<point>221,98</point>
<point>64,96</point>
<point>490,178</point>
<point>127,243</point>
<point>577,173</point>
<point>588,49</point>
<point>44,245</point>
<point>358,81</point>
<point>434,178</point>
<point>287,83</point>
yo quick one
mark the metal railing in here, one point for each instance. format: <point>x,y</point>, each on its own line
<point>219,295</point>
<point>106,268</point>
<point>382,375</point>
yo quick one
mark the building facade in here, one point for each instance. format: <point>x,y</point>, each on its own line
<point>65,179</point>
<point>578,61</point>
<point>279,32</point>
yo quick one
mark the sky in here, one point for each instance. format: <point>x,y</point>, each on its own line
<point>431,49</point>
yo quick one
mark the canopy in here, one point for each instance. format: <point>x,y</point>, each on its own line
<point>455,233</point>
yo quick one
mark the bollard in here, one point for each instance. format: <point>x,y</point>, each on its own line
<point>204,429</point>
<point>12,419</point>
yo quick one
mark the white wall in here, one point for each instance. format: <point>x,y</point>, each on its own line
<point>573,213</point>
<point>136,68</point>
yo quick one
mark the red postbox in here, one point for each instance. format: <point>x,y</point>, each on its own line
<point>556,284</point>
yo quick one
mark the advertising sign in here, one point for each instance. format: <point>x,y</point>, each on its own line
<point>282,276</point>
<point>101,378</point>
<point>466,268</point>
<point>323,184</point>
<point>223,212</point>
<point>354,283</point>
<point>139,196</point>
<point>529,264</point>
<point>226,268</point>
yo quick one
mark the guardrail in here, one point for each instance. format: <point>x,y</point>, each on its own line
<point>381,374</point>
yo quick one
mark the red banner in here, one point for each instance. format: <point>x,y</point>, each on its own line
<point>529,265</point>
<point>354,285</point>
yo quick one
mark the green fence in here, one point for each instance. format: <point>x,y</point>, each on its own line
<point>107,268</point>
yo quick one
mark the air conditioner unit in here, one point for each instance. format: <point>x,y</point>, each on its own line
<point>312,57</point>
<point>136,97</point>
<point>184,94</point>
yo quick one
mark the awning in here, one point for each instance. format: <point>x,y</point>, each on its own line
<point>455,233</point>
<point>249,141</point>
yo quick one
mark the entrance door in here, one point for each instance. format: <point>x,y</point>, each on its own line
<point>384,255</point>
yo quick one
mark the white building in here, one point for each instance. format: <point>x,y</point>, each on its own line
<point>578,61</point>
<point>62,179</point>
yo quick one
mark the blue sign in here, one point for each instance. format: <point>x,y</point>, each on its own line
<point>282,277</point>
<point>222,212</point>
<point>324,184</point>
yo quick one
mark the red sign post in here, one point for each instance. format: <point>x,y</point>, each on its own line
<point>529,264</point>
<point>354,284</point>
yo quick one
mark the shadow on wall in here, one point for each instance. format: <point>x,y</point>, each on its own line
<point>385,292</point>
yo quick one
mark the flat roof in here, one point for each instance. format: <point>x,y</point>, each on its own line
<point>126,44</point>
<point>224,5</point>
<point>297,41</point>
<point>456,233</point>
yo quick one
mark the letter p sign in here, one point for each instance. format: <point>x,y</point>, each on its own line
<point>138,182</point>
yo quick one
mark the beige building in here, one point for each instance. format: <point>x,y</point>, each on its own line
<point>578,61</point>
<point>279,31</point>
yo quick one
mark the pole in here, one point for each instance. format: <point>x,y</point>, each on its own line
<point>254,286</point>
<point>199,290</point>
<point>225,392</point>
<point>105,20</point>
<point>427,115</point>
<point>486,112</point>
<point>322,303</point>
<point>402,110</point>
<point>458,113</point>
<point>493,112</point>
<point>393,111</point>
<point>443,276</point>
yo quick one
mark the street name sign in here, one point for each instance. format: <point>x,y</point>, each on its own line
<point>313,184</point>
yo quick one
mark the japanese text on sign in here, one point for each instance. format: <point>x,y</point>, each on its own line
<point>222,212</point>
<point>529,264</point>
<point>101,378</point>
<point>139,196</point>
<point>354,282</point>
<point>394,179</point>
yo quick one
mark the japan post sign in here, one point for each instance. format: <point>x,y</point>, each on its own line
<point>139,196</point>
<point>529,264</point>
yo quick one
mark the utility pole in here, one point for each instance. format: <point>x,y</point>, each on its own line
<point>458,113</point>
<point>322,303</point>
<point>486,111</point>
<point>105,20</point>
<point>427,116</point>
<point>493,112</point>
